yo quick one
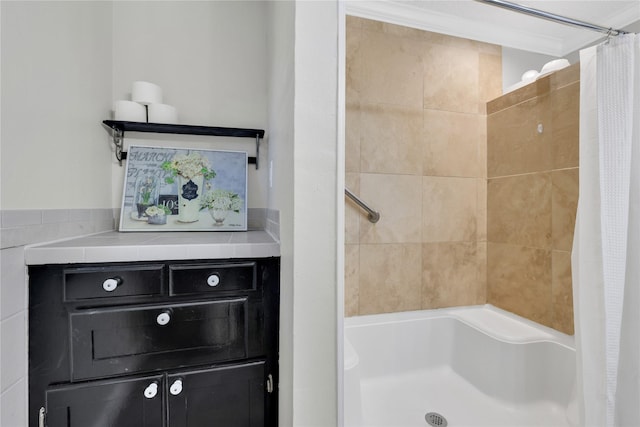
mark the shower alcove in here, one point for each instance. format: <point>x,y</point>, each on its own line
<point>477,190</point>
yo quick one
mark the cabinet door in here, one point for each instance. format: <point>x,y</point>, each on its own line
<point>114,403</point>
<point>231,396</point>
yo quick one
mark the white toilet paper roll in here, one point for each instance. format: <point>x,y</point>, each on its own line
<point>129,111</point>
<point>146,93</point>
<point>162,113</point>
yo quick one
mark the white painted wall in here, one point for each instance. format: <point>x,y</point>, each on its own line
<point>573,57</point>
<point>280,18</point>
<point>64,63</point>
<point>209,58</point>
<point>515,62</point>
<point>315,210</point>
<point>303,148</point>
<point>56,89</point>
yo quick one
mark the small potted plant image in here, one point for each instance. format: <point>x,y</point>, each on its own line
<point>191,170</point>
<point>146,194</point>
<point>220,203</point>
<point>157,215</point>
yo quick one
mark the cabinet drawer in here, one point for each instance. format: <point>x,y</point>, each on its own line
<point>202,278</point>
<point>145,338</point>
<point>112,281</point>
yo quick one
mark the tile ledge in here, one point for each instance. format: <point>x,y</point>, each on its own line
<point>127,247</point>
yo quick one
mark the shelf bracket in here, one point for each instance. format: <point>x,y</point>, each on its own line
<point>118,141</point>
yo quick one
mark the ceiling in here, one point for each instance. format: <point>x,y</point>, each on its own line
<point>479,21</point>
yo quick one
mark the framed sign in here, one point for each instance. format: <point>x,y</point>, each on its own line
<point>182,189</point>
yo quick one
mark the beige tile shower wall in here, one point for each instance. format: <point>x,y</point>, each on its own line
<point>416,152</point>
<point>532,195</point>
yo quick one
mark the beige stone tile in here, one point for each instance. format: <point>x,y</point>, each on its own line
<point>519,280</point>
<point>562,292</point>
<point>490,76</point>
<point>431,37</point>
<point>450,275</point>
<point>512,98</point>
<point>481,257</point>
<point>491,49</point>
<point>449,209</point>
<point>353,67</point>
<point>519,210</point>
<point>352,212</point>
<point>482,148</point>
<point>398,199</point>
<point>452,143</point>
<point>543,85</point>
<point>448,41</point>
<point>566,76</point>
<point>391,139</point>
<point>565,105</point>
<point>354,21</point>
<point>391,71</point>
<point>525,93</point>
<point>351,279</point>
<point>481,209</point>
<point>514,145</point>
<point>451,79</point>
<point>390,278</point>
<point>506,100</point>
<point>564,203</point>
<point>353,128</point>
<point>462,43</point>
<point>373,25</point>
<point>395,30</point>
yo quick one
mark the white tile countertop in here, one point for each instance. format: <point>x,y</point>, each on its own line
<point>114,246</point>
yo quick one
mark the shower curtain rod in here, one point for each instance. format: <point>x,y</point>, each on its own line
<point>552,17</point>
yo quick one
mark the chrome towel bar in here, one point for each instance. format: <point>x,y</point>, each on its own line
<point>373,216</point>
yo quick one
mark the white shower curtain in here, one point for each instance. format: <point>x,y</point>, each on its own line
<point>606,247</point>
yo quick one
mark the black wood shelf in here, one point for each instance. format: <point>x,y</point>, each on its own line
<point>120,127</point>
<point>183,129</point>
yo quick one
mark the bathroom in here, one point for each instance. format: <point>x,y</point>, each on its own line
<point>63,65</point>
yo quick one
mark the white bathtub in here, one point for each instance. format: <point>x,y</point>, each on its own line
<point>474,366</point>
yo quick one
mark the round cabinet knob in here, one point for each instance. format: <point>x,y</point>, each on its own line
<point>213,280</point>
<point>176,387</point>
<point>111,284</point>
<point>163,318</point>
<point>151,391</point>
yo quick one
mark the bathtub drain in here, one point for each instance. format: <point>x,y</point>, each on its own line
<point>435,420</point>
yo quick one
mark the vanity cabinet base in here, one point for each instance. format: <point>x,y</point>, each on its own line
<point>111,347</point>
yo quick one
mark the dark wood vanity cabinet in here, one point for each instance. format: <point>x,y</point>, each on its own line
<point>162,344</point>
